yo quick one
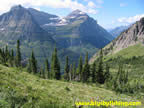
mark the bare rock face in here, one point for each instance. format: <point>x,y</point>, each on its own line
<point>131,36</point>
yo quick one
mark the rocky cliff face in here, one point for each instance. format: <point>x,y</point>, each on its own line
<point>132,36</point>
<point>18,23</point>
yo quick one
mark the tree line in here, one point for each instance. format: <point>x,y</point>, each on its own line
<point>85,72</point>
<point>9,58</point>
<point>98,72</point>
<point>51,70</point>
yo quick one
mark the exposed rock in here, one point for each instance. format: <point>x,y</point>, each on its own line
<point>132,36</point>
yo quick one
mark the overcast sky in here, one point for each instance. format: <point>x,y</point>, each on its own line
<point>108,13</point>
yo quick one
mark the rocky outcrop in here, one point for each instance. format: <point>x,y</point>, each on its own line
<point>131,36</point>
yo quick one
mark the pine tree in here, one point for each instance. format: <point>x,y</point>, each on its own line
<point>52,74</point>
<point>11,58</point>
<point>107,73</point>
<point>86,70</point>
<point>100,73</point>
<point>66,74</point>
<point>80,67</point>
<point>58,73</point>
<point>70,72</point>
<point>74,71</point>
<point>121,76</point>
<point>12,54</point>
<point>33,63</point>
<point>55,66</point>
<point>121,80</point>
<point>18,55</point>
<point>3,56</point>
<point>47,71</point>
<point>42,73</point>
<point>7,54</point>
<point>29,65</point>
<point>93,71</point>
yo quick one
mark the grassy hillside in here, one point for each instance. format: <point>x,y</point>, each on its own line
<point>21,89</point>
<point>135,50</point>
<point>132,59</point>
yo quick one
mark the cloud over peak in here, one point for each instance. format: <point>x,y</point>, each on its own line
<point>69,4</point>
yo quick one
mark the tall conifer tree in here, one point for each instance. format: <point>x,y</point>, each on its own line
<point>86,69</point>
<point>80,67</point>
<point>18,55</point>
<point>55,66</point>
<point>93,71</point>
<point>70,72</point>
<point>66,74</point>
<point>107,73</point>
<point>74,71</point>
<point>33,63</point>
<point>47,71</point>
<point>100,73</point>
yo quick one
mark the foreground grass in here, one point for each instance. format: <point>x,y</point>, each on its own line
<point>21,89</point>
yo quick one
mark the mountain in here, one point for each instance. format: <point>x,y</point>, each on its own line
<point>128,43</point>
<point>74,35</point>
<point>42,17</point>
<point>79,33</point>
<point>78,28</point>
<point>117,31</point>
<point>18,23</point>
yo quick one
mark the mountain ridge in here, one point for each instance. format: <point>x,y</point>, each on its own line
<point>77,36</point>
<point>40,16</point>
<point>132,36</point>
<point>18,23</point>
<point>115,32</point>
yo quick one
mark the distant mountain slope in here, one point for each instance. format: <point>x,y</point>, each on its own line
<point>42,17</point>
<point>18,23</point>
<point>74,35</point>
<point>132,36</point>
<point>79,29</point>
<point>117,31</point>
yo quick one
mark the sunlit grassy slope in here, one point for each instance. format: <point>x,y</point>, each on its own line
<point>21,89</point>
<point>132,59</point>
<point>136,50</point>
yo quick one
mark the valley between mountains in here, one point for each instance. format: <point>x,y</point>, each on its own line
<point>74,35</point>
<point>47,61</point>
